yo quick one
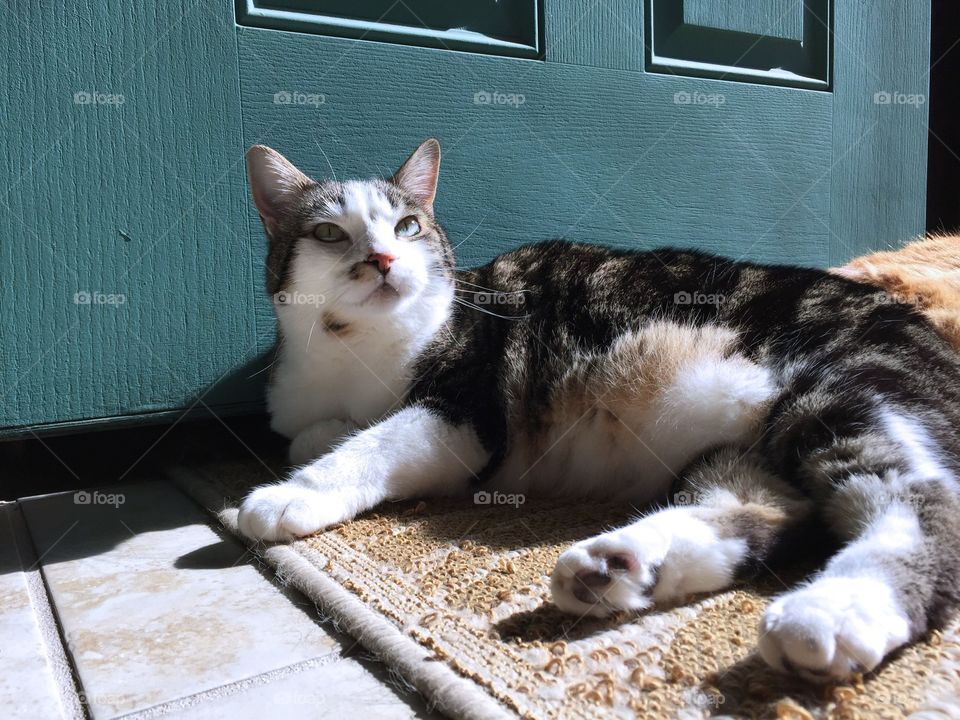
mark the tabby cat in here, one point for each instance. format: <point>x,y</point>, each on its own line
<point>761,396</point>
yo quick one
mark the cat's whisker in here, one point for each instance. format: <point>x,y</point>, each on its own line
<point>276,356</point>
<point>463,302</point>
<point>332,171</point>
<point>470,234</point>
<point>485,289</point>
<point>492,292</point>
<point>262,370</point>
<point>310,335</point>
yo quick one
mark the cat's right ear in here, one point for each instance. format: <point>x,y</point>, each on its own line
<point>275,183</point>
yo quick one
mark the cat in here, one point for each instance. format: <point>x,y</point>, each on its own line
<point>925,272</point>
<point>760,397</point>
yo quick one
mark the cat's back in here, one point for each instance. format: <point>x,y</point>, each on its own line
<point>687,284</point>
<point>584,296</point>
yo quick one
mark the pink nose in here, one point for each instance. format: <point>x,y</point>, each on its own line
<point>382,260</point>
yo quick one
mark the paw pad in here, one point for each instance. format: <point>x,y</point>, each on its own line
<point>589,585</point>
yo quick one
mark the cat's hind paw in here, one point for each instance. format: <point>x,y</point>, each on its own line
<point>661,558</point>
<point>832,629</point>
<point>605,574</point>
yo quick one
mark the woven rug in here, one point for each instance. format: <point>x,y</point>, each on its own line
<point>454,597</point>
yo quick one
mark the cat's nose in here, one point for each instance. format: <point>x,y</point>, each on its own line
<point>382,261</point>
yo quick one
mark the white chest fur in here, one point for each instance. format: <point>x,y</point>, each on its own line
<point>357,373</point>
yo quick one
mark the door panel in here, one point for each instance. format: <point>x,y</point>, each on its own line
<point>641,124</point>
<point>772,18</point>
<point>781,42</point>
<point>498,27</point>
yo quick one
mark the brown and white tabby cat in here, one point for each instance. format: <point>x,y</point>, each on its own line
<point>768,396</point>
<point>925,272</point>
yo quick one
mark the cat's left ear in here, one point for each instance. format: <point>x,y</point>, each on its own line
<point>419,174</point>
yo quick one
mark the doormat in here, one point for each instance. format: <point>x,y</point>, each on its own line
<point>455,598</point>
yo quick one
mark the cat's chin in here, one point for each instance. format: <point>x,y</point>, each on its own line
<point>384,299</point>
<point>386,295</point>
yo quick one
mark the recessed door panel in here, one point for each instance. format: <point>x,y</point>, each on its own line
<point>781,42</point>
<point>498,27</point>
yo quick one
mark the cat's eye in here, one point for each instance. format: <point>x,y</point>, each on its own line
<point>328,232</point>
<point>408,227</point>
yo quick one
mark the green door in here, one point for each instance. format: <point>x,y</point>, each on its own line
<point>132,260</point>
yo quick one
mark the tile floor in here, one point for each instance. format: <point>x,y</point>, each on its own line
<point>132,603</point>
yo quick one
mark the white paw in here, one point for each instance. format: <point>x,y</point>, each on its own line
<point>833,628</point>
<point>605,574</point>
<point>287,511</point>
<point>659,559</point>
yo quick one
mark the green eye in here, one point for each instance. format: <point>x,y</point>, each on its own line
<point>408,227</point>
<point>328,232</point>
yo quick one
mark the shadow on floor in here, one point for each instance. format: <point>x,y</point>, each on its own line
<point>93,468</point>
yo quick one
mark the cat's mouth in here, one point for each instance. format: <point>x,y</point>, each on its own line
<point>383,293</point>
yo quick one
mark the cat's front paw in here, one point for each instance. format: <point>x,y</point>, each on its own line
<point>833,628</point>
<point>661,558</point>
<point>287,511</point>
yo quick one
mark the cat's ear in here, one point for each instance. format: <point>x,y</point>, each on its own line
<point>274,182</point>
<point>419,174</point>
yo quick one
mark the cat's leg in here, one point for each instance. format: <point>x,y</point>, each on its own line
<point>888,491</point>
<point>730,513</point>
<point>414,452</point>
<point>318,439</point>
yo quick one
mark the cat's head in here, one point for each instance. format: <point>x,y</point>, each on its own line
<point>356,249</point>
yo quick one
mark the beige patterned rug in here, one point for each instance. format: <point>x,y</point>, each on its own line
<point>454,597</point>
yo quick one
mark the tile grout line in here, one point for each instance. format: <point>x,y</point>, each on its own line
<point>203,696</point>
<point>265,571</point>
<point>442,688</point>
<point>271,573</point>
<point>230,689</point>
<point>62,667</point>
